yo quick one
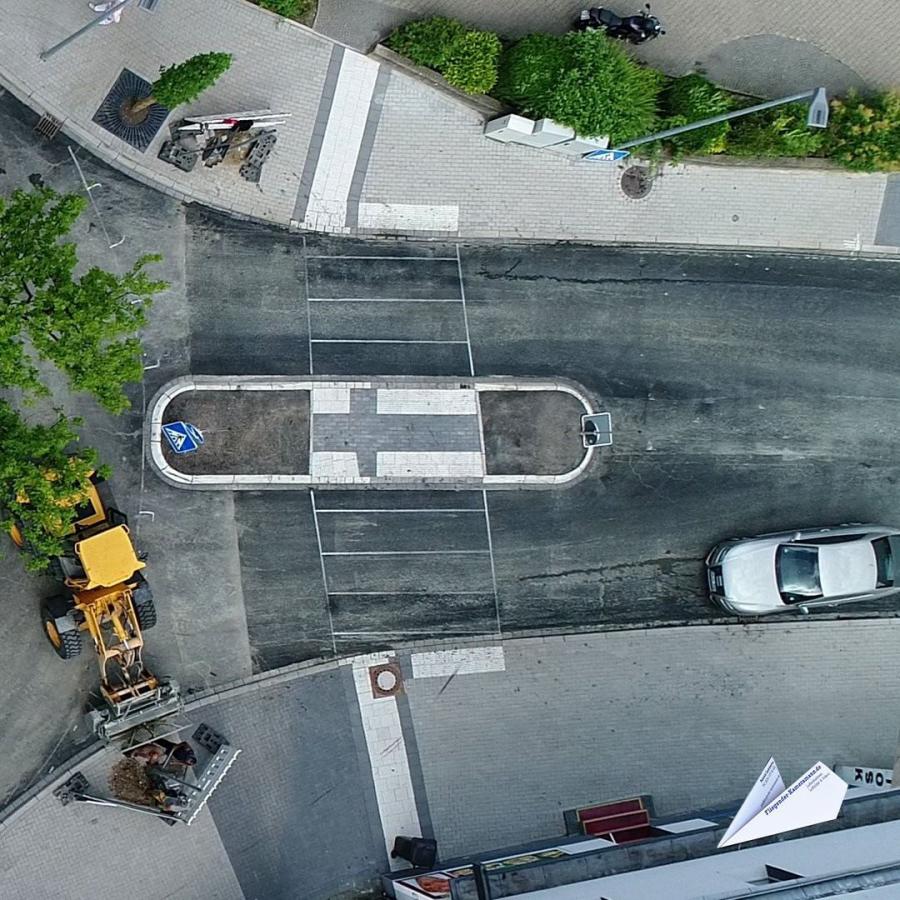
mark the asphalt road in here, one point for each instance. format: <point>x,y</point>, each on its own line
<point>748,393</point>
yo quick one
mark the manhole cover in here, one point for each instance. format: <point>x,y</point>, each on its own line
<point>636,182</point>
<point>385,679</point>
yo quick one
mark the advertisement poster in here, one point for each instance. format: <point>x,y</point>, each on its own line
<point>816,796</point>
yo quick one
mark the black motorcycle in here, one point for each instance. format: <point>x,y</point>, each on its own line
<point>635,29</point>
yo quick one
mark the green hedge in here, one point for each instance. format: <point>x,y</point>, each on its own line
<point>688,99</point>
<point>776,132</point>
<point>290,9</point>
<point>864,132</point>
<point>583,80</point>
<point>590,83</point>
<point>467,58</point>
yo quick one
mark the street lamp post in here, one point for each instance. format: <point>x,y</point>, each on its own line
<point>816,118</point>
<point>46,54</point>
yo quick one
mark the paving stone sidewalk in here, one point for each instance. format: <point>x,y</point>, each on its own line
<point>485,747</point>
<point>370,150</point>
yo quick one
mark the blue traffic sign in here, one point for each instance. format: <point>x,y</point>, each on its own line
<point>183,437</point>
<point>607,155</point>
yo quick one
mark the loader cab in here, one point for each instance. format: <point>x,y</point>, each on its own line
<point>102,559</point>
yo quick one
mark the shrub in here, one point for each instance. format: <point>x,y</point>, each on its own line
<point>428,42</point>
<point>688,99</point>
<point>775,132</point>
<point>530,71</point>
<point>290,9</point>
<point>586,82</point>
<point>864,132</point>
<point>467,58</point>
<point>472,62</point>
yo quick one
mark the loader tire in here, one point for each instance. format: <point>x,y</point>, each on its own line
<point>66,643</point>
<point>145,610</point>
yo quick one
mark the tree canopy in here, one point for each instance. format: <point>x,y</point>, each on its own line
<point>41,481</point>
<point>583,80</point>
<point>183,82</point>
<point>86,326</point>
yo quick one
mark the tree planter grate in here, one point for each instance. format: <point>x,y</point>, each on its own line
<point>111,113</point>
<point>637,182</point>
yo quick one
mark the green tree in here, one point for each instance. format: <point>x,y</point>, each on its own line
<point>86,325</point>
<point>41,481</point>
<point>183,82</point>
<point>583,80</point>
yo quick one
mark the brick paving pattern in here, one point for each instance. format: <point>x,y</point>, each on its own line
<point>486,749</point>
<point>422,165</point>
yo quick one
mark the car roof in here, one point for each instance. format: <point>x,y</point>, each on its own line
<point>848,567</point>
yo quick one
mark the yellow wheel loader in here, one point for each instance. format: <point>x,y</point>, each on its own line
<point>108,599</point>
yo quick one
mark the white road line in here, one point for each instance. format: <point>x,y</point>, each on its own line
<point>459,661</point>
<point>340,148</point>
<point>346,635</point>
<point>387,756</point>
<point>480,439</point>
<point>369,341</point>
<point>404,552</point>
<point>322,512</point>
<point>462,296</point>
<point>420,258</point>
<point>487,521</point>
<point>312,500</point>
<point>384,300</point>
<point>408,594</point>
<point>308,321</point>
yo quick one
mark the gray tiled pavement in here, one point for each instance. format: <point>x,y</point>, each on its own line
<point>516,192</point>
<point>366,433</point>
<point>687,715</point>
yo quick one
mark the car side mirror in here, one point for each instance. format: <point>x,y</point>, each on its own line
<point>804,610</point>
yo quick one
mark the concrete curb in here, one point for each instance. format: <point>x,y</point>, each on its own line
<point>156,410</point>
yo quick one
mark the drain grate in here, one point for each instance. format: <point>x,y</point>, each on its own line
<point>636,182</point>
<point>48,126</point>
<point>111,113</point>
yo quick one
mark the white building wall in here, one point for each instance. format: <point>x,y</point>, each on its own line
<point>724,875</point>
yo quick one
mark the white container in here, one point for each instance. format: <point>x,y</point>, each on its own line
<point>546,133</point>
<point>508,129</point>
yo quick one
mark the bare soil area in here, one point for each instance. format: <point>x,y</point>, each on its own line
<point>245,432</point>
<point>531,432</point>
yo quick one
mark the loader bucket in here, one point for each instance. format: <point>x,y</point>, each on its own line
<point>113,721</point>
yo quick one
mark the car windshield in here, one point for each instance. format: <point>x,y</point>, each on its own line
<point>797,571</point>
<point>886,550</point>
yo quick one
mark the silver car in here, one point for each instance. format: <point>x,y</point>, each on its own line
<point>771,573</point>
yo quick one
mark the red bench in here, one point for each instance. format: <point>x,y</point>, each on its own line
<point>620,821</point>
